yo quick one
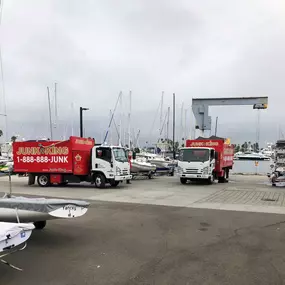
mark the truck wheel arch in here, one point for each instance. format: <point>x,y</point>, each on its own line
<point>94,173</point>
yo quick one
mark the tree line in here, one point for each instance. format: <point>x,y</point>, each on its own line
<point>247,146</point>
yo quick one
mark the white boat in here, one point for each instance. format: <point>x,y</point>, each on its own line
<point>39,210</point>
<point>160,162</point>
<point>251,156</point>
<point>12,235</point>
<point>140,165</point>
<point>268,151</point>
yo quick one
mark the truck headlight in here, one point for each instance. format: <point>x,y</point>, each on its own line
<point>179,169</point>
<point>205,170</point>
<point>118,170</point>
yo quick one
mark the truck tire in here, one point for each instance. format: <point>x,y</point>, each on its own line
<point>114,183</point>
<point>221,179</point>
<point>211,179</point>
<point>183,180</point>
<point>40,225</point>
<point>99,180</point>
<point>43,180</point>
<point>31,180</point>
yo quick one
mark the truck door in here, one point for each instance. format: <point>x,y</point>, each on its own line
<point>81,162</point>
<point>103,158</point>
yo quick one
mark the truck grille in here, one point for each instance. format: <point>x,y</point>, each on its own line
<point>125,172</point>
<point>191,170</point>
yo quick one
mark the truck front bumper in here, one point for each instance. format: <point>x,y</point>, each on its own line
<point>123,177</point>
<point>193,176</point>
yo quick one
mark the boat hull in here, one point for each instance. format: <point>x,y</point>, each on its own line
<point>252,158</point>
<point>18,234</point>
<point>137,167</point>
<point>33,209</point>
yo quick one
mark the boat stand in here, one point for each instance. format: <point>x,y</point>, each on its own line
<point>9,253</point>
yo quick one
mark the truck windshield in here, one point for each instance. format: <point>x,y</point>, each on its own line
<point>120,154</point>
<point>194,155</point>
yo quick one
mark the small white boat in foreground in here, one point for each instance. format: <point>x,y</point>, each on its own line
<point>39,210</point>
<point>14,234</point>
<point>11,236</point>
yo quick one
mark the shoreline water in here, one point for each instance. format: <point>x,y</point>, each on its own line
<point>249,167</point>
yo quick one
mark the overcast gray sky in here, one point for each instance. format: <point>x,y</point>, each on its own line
<point>94,49</point>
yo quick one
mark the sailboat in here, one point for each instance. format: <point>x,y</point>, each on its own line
<point>39,210</point>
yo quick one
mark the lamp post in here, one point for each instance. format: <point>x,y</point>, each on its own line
<point>81,120</point>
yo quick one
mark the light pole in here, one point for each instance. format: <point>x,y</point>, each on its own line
<point>81,120</point>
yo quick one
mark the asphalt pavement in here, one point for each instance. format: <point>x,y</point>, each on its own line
<point>123,243</point>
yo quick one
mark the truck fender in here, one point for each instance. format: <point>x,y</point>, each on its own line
<point>94,172</point>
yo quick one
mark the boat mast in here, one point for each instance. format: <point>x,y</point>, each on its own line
<point>112,118</point>
<point>181,126</point>
<point>50,120</point>
<point>173,131</point>
<point>3,83</point>
<point>72,120</point>
<point>167,128</point>
<point>110,138</point>
<point>161,115</point>
<point>129,120</point>
<point>55,109</point>
<point>185,126</point>
<point>216,126</point>
<point>121,117</point>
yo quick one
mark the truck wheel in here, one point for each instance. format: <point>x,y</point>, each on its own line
<point>221,179</point>
<point>40,225</point>
<point>211,179</point>
<point>183,180</point>
<point>100,180</point>
<point>32,179</point>
<point>43,180</point>
<point>150,176</point>
<point>114,183</point>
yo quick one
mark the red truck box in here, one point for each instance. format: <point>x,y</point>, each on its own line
<point>225,151</point>
<point>70,156</point>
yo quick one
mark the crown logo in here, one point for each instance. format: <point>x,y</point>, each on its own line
<point>78,157</point>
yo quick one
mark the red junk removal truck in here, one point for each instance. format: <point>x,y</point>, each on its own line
<point>74,160</point>
<point>205,158</point>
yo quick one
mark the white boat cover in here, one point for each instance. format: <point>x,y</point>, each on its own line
<point>10,230</point>
<point>42,205</point>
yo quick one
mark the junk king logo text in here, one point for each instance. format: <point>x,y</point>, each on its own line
<point>37,150</point>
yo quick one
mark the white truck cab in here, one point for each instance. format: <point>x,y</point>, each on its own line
<point>110,165</point>
<point>196,163</point>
